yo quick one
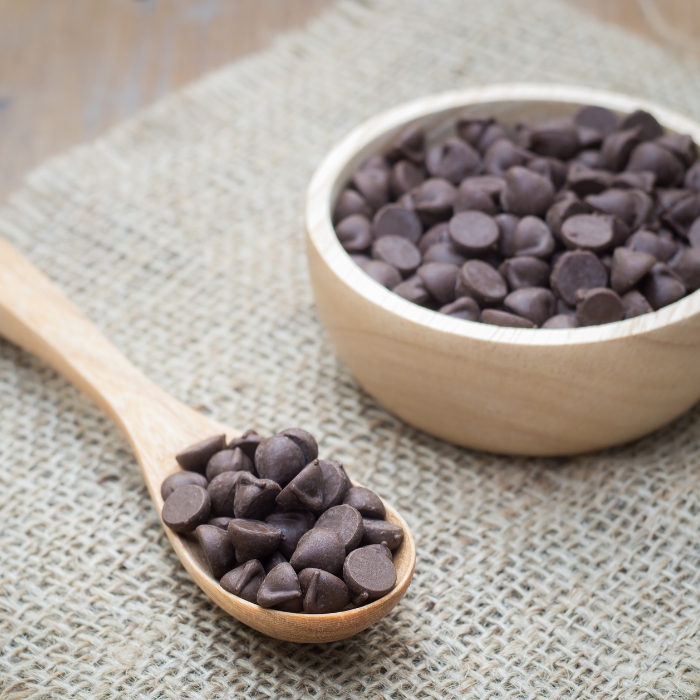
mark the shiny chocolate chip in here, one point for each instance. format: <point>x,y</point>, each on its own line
<point>323,592</point>
<point>186,508</point>
<point>245,581</point>
<point>346,521</point>
<point>279,586</point>
<point>320,548</point>
<point>597,306</point>
<point>217,549</point>
<point>253,539</point>
<point>196,457</point>
<point>178,479</point>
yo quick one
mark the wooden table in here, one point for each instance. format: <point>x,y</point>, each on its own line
<point>69,69</point>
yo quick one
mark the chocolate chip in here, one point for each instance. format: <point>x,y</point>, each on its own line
<point>433,200</point>
<point>615,202</point>
<point>346,521</point>
<point>694,233</point>
<point>639,180</point>
<point>561,321</point>
<point>651,156</point>
<point>576,270</point>
<point>555,170</point>
<point>471,129</point>
<point>588,232</point>
<point>255,498</point>
<point>398,252</point>
<point>304,491</point>
<point>557,138</point>
<point>355,233</point>
<point>220,522</point>
<point>410,144</point>
<point>253,539</point>
<point>279,458</point>
<point>628,267</point>
<point>378,531</point>
<point>473,232</point>
<point>279,586</point>
<point>464,307</point>
<point>196,457</point>
<point>351,202</point>
<point>681,145</point>
<point>649,128</point>
<point>648,242</point>
<point>687,267</point>
<point>319,548</point>
<point>439,279</point>
<point>495,317</point>
<point>273,560</point>
<point>435,234</point>
<point>248,442</point>
<point>186,508</point>
<point>525,271</point>
<point>453,160</point>
<point>217,549</point>
<point>395,220</point>
<point>304,440</point>
<point>662,286</point>
<point>229,461</point>
<point>589,157</point>
<point>526,192</point>
<point>617,148</point>
<point>222,492</point>
<point>444,253</point>
<point>597,306</point>
<point>413,290</point>
<point>366,502</point>
<point>534,303</point>
<point>470,197</point>
<point>178,479</point>
<point>682,214</point>
<point>245,581</point>
<point>480,281</point>
<point>335,483</point>
<point>598,118</point>
<point>404,177</point>
<point>491,134</point>
<point>373,185</point>
<point>533,238</point>
<point>589,139</point>
<point>367,570</point>
<point>635,304</point>
<point>692,178</point>
<point>387,275</point>
<point>292,524</point>
<point>323,593</point>
<point>502,155</point>
<point>584,181</point>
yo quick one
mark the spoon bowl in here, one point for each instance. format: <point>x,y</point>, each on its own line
<point>35,315</point>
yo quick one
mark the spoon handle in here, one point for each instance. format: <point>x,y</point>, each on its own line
<point>36,315</point>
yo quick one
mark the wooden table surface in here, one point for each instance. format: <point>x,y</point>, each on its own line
<point>69,69</point>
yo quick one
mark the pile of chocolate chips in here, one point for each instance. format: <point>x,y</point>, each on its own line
<point>280,527</point>
<point>573,222</point>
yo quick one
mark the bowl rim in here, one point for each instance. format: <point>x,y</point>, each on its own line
<point>321,233</point>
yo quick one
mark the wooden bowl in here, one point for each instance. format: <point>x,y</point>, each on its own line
<point>504,390</point>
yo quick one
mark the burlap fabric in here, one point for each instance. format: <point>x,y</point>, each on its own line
<point>181,235</point>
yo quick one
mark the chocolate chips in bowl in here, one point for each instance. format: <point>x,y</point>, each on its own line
<point>575,221</point>
<point>281,528</point>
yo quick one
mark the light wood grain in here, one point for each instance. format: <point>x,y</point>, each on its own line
<point>35,315</point>
<point>504,390</point>
<point>70,69</point>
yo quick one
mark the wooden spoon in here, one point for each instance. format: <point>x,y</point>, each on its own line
<point>35,315</point>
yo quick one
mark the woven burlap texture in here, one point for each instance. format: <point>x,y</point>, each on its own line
<point>181,235</point>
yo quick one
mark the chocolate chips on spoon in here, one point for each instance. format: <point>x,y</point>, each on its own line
<point>279,527</point>
<point>561,210</point>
